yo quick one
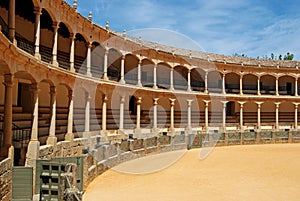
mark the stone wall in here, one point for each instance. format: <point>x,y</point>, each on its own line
<point>6,180</point>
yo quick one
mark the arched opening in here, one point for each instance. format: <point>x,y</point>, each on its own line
<point>268,115</point>
<point>286,85</point>
<point>63,48</point>
<point>97,66</point>
<point>47,36</point>
<point>163,75</point>
<point>197,79</point>
<point>268,85</point>
<point>231,114</point>
<point>287,115</point>
<point>214,82</point>
<point>249,84</point>
<point>80,54</point>
<point>147,67</point>
<point>131,69</point>
<point>250,115</point>
<point>80,98</point>
<point>232,83</point>
<point>114,65</point>
<point>180,78</point>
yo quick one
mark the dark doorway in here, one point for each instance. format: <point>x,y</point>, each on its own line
<point>230,109</point>
<point>24,97</point>
<point>132,105</point>
<point>289,88</point>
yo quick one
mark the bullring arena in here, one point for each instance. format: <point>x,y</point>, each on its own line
<point>79,99</point>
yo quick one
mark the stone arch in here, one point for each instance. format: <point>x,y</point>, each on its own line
<point>286,85</point>
<point>287,114</point>
<point>114,64</point>
<point>214,81</point>
<point>163,75</point>
<point>180,77</point>
<point>80,53</point>
<point>147,67</point>
<point>97,63</point>
<point>268,84</point>
<point>232,83</point>
<point>131,68</point>
<point>198,79</point>
<point>47,36</point>
<point>64,44</point>
<point>250,84</point>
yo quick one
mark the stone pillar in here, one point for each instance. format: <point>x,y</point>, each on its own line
<point>122,101</point>
<point>87,113</point>
<point>258,86</point>
<point>189,113</point>
<point>52,139</point>
<point>138,112</point>
<point>241,84</point>
<point>223,84</point>
<point>206,83</point>
<point>35,121</point>
<point>277,90</point>
<point>55,43</point>
<point>224,115</point>
<point>104,111</point>
<point>189,81</point>
<point>277,104</point>
<point>296,86</point>
<point>105,65</point>
<point>206,114</point>
<point>154,77</point>
<point>172,103</point>
<point>72,53</point>
<point>296,116</point>
<point>11,20</point>
<point>139,81</point>
<point>258,115</point>
<point>171,79</point>
<point>155,102</point>
<point>89,60</point>
<point>241,115</point>
<point>70,136</point>
<point>37,12</point>
<point>8,114</point>
<point>122,80</point>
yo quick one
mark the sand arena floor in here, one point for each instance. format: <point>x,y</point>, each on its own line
<point>255,172</point>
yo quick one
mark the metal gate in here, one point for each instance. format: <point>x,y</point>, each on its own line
<point>49,176</point>
<point>22,183</point>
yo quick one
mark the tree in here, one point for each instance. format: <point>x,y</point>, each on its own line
<point>288,56</point>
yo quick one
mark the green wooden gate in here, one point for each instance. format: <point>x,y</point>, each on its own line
<point>22,183</point>
<point>48,176</point>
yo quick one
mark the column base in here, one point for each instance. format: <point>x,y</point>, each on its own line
<point>89,74</point>
<point>55,63</point>
<point>69,137</point>
<point>37,55</point>
<point>188,130</point>
<point>32,153</point>
<point>155,87</point>
<point>138,133</point>
<point>52,140</point>
<point>172,131</point>
<point>139,85</point>
<point>122,82</point>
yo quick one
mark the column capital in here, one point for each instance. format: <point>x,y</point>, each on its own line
<point>37,11</point>
<point>89,45</point>
<point>241,103</point>
<point>259,103</point>
<point>296,104</point>
<point>172,100</point>
<point>155,101</point>
<point>123,99</point>
<point>189,101</point>
<point>139,100</point>
<point>52,90</point>
<point>55,26</point>
<point>123,57</point>
<point>70,94</point>
<point>224,103</point>
<point>72,36</point>
<point>8,80</point>
<point>105,98</point>
<point>277,104</point>
<point>206,102</point>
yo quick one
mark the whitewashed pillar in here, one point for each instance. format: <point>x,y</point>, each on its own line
<point>206,113</point>
<point>189,81</point>
<point>258,86</point>
<point>296,115</point>
<point>55,44</point>
<point>241,84</point>
<point>37,12</point>
<point>224,115</point>
<point>259,115</point>
<point>122,102</point>
<point>223,84</point>
<point>105,65</point>
<point>172,103</point>
<point>171,79</point>
<point>87,113</point>
<point>242,115</point>
<point>52,140</point>
<point>139,81</point>
<point>155,102</point>
<point>35,121</point>
<point>189,110</point>
<point>122,80</point>
<point>70,136</point>
<point>277,87</point>
<point>296,86</point>
<point>72,53</point>
<point>277,104</point>
<point>104,112</point>
<point>155,76</point>
<point>89,60</point>
<point>206,83</point>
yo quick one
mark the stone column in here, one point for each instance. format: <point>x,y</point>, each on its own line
<point>172,103</point>
<point>122,80</point>
<point>104,111</point>
<point>224,115</point>
<point>70,136</point>
<point>139,81</point>
<point>72,53</point>
<point>189,113</point>
<point>155,102</point>
<point>122,101</point>
<point>206,114</point>
<point>35,121</point>
<point>105,65</point>
<point>54,51</point>
<point>8,114</point>
<point>171,79</point>
<point>189,81</point>
<point>37,12</point>
<point>258,86</point>
<point>277,104</point>
<point>277,90</point>
<point>138,112</point>
<point>11,20</point>
<point>258,115</point>
<point>52,139</point>
<point>241,84</point>
<point>296,86</point>
<point>206,83</point>
<point>223,84</point>
<point>241,115</point>
<point>296,116</point>
<point>87,113</point>
<point>154,77</point>
<point>89,60</point>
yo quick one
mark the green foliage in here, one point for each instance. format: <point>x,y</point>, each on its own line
<point>287,56</point>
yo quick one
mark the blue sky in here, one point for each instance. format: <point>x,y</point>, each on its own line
<point>251,27</point>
